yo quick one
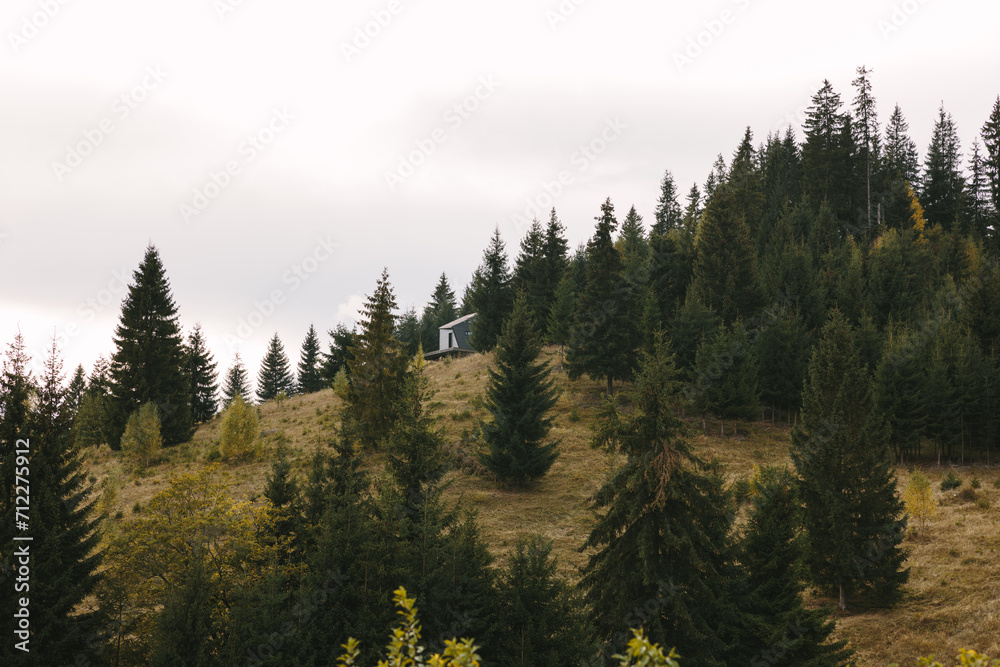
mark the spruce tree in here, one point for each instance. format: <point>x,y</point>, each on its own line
<point>979,213</point>
<point>310,377</point>
<point>668,212</point>
<point>204,378</point>
<point>828,154</point>
<point>561,314</point>
<point>519,396</point>
<point>596,347</point>
<point>943,183</point>
<point>377,370</point>
<point>901,158</point>
<point>528,275</point>
<point>491,295</point>
<point>275,375</point>
<point>75,390</point>
<point>338,354</point>
<point>408,332</point>
<point>554,264</point>
<point>771,555</point>
<point>869,143</point>
<point>149,361</point>
<point>441,310</point>
<point>64,549</point>
<point>991,144</point>
<point>237,383</point>
<point>663,534</point>
<point>853,515</point>
<point>724,377</point>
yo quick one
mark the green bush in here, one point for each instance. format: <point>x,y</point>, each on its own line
<point>950,481</point>
<point>974,482</point>
<point>240,431</point>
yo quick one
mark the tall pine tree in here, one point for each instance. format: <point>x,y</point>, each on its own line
<point>275,374</point>
<point>491,295</point>
<point>237,383</point>
<point>943,183</point>
<point>203,376</point>
<point>441,310</point>
<point>310,377</point>
<point>148,362</point>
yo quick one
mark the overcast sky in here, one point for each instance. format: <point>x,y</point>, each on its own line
<point>280,154</point>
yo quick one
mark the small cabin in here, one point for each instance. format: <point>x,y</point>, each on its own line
<point>454,338</point>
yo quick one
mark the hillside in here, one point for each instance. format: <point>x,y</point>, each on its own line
<point>951,601</point>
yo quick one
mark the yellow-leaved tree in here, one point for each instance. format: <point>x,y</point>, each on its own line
<point>142,438</point>
<point>919,498</point>
<point>240,431</point>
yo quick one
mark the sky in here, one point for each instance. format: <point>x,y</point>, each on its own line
<point>279,155</point>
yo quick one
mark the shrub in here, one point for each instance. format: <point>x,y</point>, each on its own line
<point>142,438</point>
<point>968,495</point>
<point>240,431</point>
<point>974,482</point>
<point>950,481</point>
<point>919,497</point>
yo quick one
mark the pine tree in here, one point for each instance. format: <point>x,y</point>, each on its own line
<point>725,267</point>
<point>237,382</point>
<point>828,154</point>
<point>560,319</point>
<point>408,332</point>
<point>377,370</point>
<point>901,157</point>
<point>853,516</point>
<point>75,390</point>
<point>275,375</point>
<point>537,620</point>
<point>441,310</point>
<point>491,295</point>
<point>529,272</point>
<point>771,554</point>
<point>310,377</point>
<point>668,212</point>
<point>716,177</point>
<point>725,375</point>
<point>554,265</point>
<point>977,196</point>
<point>943,183</point>
<point>991,143</point>
<point>869,144</point>
<point>339,354</point>
<point>664,533</point>
<point>149,361</point>
<point>595,345</point>
<point>65,553</point>
<point>519,396</point>
<point>204,378</point>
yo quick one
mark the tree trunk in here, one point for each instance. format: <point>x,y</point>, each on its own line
<point>609,386</point>
<point>842,604</point>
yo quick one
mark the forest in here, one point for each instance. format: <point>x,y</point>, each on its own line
<point>840,291</point>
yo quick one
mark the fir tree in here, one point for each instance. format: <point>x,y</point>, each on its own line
<point>537,620</point>
<point>663,535</point>
<point>310,377</point>
<point>828,154</point>
<point>595,347</point>
<point>65,549</point>
<point>991,161</point>
<point>408,332</point>
<point>491,295</point>
<point>977,196</point>
<point>561,314</point>
<point>901,158</point>
<point>237,382</point>
<point>441,310</point>
<point>771,555</point>
<point>529,272</point>
<point>203,376</point>
<point>275,375</point>
<point>519,395</point>
<point>943,183</point>
<point>725,375</point>
<point>853,516</point>
<point>668,212</point>
<point>869,144</point>
<point>75,390</point>
<point>377,370</point>
<point>339,354</point>
<point>149,360</point>
<point>554,265</point>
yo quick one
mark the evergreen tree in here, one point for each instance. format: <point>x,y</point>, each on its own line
<point>237,382</point>
<point>310,377</point>
<point>901,157</point>
<point>275,375</point>
<point>529,272</point>
<point>91,421</point>
<point>408,332</point>
<point>519,395</point>
<point>149,361</point>
<point>282,491</point>
<point>943,183</point>
<point>725,266</point>
<point>869,143</point>
<point>75,390</point>
<point>853,516</point>
<point>716,177</point>
<point>977,196</point>
<point>560,320</point>
<point>537,620</point>
<point>204,378</point>
<point>377,370</point>
<point>781,182</point>
<point>664,533</point>
<point>553,267</point>
<point>771,554</point>
<point>187,632</point>
<point>828,154</point>
<point>595,345</point>
<point>441,310</point>
<point>725,375</point>
<point>491,296</point>
<point>782,351</point>
<point>668,212</point>
<point>65,553</point>
<point>339,354</point>
<point>100,377</point>
<point>991,161</point>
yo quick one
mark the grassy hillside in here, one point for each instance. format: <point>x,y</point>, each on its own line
<point>952,600</point>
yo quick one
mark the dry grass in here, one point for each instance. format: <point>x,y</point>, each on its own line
<point>951,602</point>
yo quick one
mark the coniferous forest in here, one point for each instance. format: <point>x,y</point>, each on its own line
<point>771,410</point>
